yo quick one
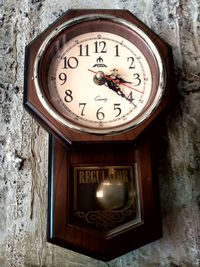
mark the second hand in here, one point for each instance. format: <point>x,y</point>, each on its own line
<point>116,81</point>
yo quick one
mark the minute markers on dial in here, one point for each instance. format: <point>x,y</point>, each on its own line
<point>106,97</point>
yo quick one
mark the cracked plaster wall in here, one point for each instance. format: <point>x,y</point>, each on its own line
<point>24,144</point>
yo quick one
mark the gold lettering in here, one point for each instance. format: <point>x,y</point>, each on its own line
<point>81,177</point>
<point>87,177</point>
<point>98,176</point>
<point>93,177</point>
<point>125,176</point>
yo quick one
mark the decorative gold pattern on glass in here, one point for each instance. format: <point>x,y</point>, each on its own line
<point>106,197</point>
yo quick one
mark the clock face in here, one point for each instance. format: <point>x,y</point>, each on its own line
<point>100,81</point>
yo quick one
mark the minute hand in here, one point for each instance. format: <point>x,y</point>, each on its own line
<point>118,82</point>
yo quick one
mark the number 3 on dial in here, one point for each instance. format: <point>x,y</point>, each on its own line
<point>89,81</point>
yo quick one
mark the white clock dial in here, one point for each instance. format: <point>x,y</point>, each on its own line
<point>99,80</point>
<point>99,76</point>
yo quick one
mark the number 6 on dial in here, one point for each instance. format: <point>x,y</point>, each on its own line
<point>96,80</point>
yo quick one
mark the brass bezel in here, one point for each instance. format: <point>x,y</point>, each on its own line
<point>109,131</point>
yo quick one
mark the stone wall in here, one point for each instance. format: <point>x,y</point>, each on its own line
<point>24,144</point>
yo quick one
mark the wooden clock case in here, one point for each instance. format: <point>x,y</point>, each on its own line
<point>70,150</point>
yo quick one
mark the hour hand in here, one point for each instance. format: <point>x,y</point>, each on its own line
<point>117,77</point>
<point>121,80</point>
<point>100,79</point>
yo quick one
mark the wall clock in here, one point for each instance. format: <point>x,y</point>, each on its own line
<point>96,80</point>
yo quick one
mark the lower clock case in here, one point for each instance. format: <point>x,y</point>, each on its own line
<point>102,197</point>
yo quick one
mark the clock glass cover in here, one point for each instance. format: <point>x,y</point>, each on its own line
<point>101,76</point>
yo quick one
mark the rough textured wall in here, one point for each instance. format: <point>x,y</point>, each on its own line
<point>24,144</point>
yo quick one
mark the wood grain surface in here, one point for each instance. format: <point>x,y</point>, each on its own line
<point>24,144</point>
